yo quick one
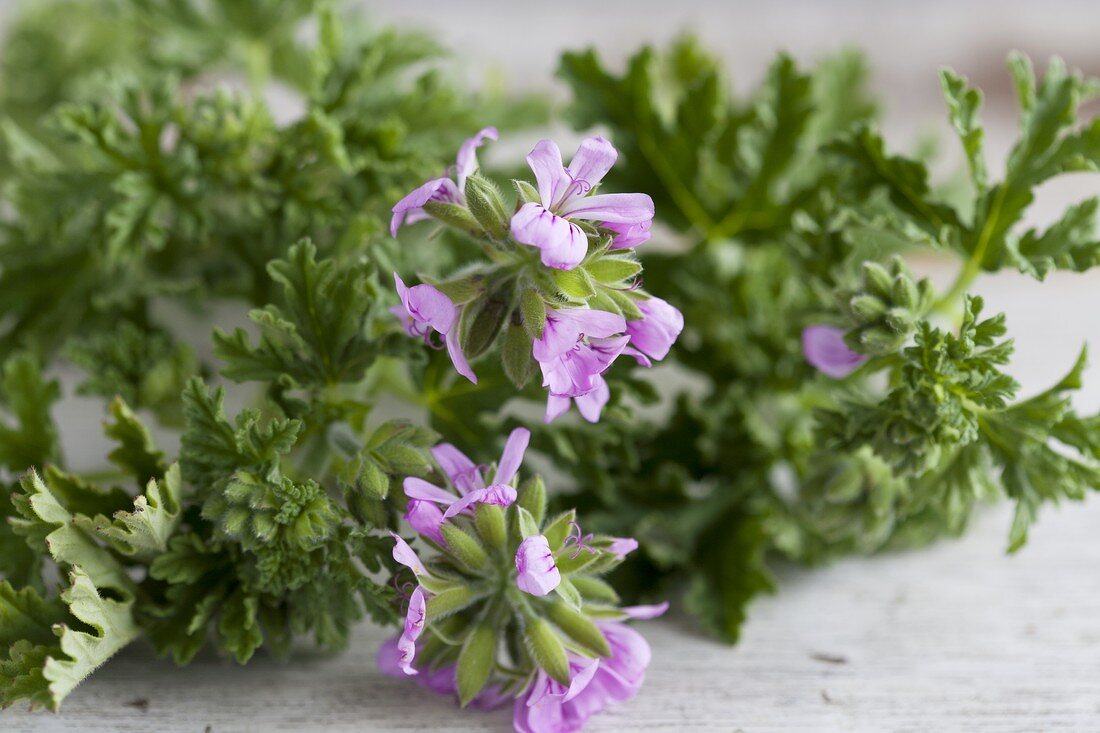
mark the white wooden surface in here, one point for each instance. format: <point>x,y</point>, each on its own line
<point>956,637</point>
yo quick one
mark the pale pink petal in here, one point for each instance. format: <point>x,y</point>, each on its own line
<point>614,208</point>
<point>628,236</point>
<point>563,244</point>
<point>824,347</point>
<point>414,627</point>
<point>658,329</point>
<point>454,350</point>
<point>426,304</point>
<point>389,658</point>
<point>536,572</point>
<point>405,555</point>
<point>418,488</point>
<point>591,405</point>
<point>498,494</point>
<point>545,161</point>
<point>623,546</point>
<point>555,408</point>
<point>466,160</point>
<point>462,472</point>
<point>590,164</point>
<point>512,456</point>
<point>565,326</point>
<point>425,517</point>
<point>645,612</point>
<point>411,208</point>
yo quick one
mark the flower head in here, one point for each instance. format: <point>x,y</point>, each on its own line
<point>411,208</point>
<point>563,655</point>
<point>564,196</point>
<point>426,517</point>
<point>824,348</point>
<point>424,312</point>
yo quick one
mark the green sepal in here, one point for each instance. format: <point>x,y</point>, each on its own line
<point>547,650</point>
<point>464,547</point>
<point>475,662</point>
<point>579,628</point>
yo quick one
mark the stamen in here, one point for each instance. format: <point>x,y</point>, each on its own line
<point>579,539</point>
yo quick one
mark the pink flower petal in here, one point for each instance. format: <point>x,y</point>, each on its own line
<point>590,164</point>
<point>563,245</point>
<point>545,161</point>
<point>462,472</point>
<point>418,488</point>
<point>824,347</point>
<point>466,160</point>
<point>658,329</point>
<point>499,494</point>
<point>512,456</point>
<point>405,555</point>
<point>614,208</point>
<point>536,572</point>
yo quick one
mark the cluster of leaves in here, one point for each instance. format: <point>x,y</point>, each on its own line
<point>133,192</point>
<point>791,213</point>
<point>156,189</point>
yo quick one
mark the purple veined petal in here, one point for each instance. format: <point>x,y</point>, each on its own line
<point>425,517</point>
<point>591,162</point>
<point>639,357</point>
<point>411,208</point>
<point>591,405</point>
<point>565,326</point>
<point>406,555</point>
<point>545,162</point>
<point>555,408</point>
<point>657,330</point>
<point>466,160</point>
<point>499,494</point>
<point>645,612</point>
<point>824,348</point>
<point>512,456</point>
<point>458,359</point>
<point>414,627</point>
<point>581,672</point>
<point>613,208</point>
<point>630,656</point>
<point>462,472</point>
<point>577,372</point>
<point>426,304</point>
<point>563,245</point>
<point>536,572</point>
<point>623,546</point>
<point>418,488</point>
<point>628,236</point>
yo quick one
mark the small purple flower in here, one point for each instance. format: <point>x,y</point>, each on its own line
<point>564,196</point>
<point>657,330</point>
<point>424,312</point>
<point>411,208</point>
<point>824,348</point>
<point>577,371</point>
<point>536,572</point>
<point>567,326</point>
<point>628,236</point>
<point>549,707</point>
<point>466,476</point>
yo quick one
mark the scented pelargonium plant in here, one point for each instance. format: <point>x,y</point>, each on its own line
<point>416,307</point>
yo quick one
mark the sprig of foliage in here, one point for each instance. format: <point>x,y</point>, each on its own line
<point>792,209</point>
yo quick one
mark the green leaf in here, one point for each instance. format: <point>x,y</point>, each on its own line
<point>963,106</point>
<point>730,573</point>
<point>136,451</point>
<point>144,532</point>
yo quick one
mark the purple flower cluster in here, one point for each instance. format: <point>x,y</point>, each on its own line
<point>543,704</point>
<point>578,344</point>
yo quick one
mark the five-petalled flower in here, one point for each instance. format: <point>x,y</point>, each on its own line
<point>564,197</point>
